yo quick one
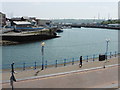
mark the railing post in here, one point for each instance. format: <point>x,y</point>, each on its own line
<point>106,55</point>
<point>115,53</point>
<point>35,65</point>
<point>110,54</point>
<point>64,62</point>
<point>93,57</point>
<point>23,66</point>
<point>72,61</point>
<point>46,64</point>
<point>56,63</point>
<point>87,58</point>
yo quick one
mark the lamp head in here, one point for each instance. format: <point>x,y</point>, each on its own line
<point>107,40</point>
<point>42,44</point>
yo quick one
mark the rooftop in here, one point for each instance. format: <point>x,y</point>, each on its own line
<point>22,22</point>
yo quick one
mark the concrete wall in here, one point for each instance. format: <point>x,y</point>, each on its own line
<point>28,38</point>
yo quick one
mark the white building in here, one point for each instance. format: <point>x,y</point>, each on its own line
<point>41,22</point>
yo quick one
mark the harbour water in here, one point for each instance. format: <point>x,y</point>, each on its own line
<point>72,44</point>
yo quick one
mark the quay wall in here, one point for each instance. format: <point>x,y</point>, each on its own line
<point>25,38</point>
<point>93,26</point>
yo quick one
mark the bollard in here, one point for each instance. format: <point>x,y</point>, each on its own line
<point>73,61</point>
<point>87,58</point>
<point>46,64</point>
<point>56,64</point>
<point>35,66</point>
<point>23,66</point>
<point>93,57</point>
<point>110,54</point>
<point>64,62</point>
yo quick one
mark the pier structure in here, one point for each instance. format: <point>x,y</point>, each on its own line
<point>109,26</point>
<point>30,36</point>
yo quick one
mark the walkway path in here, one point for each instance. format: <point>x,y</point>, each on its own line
<point>99,78</point>
<point>30,74</point>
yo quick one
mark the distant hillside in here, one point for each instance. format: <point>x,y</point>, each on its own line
<point>111,22</point>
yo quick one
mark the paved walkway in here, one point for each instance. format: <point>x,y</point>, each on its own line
<point>32,73</point>
<point>100,78</point>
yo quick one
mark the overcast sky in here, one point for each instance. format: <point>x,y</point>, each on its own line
<point>57,10</point>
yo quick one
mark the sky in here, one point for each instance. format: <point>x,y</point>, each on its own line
<point>87,9</point>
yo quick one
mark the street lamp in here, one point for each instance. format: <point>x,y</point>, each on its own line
<point>42,50</point>
<point>107,41</point>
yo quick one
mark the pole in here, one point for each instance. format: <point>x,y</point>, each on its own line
<point>56,63</point>
<point>110,54</point>
<point>93,57</point>
<point>72,61</point>
<point>42,58</point>
<point>107,48</point>
<point>107,41</point>
<point>12,76</point>
<point>35,65</point>
<point>115,53</point>
<point>42,50</point>
<point>64,62</point>
<point>46,64</point>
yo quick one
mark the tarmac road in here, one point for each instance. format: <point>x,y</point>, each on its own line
<point>99,78</point>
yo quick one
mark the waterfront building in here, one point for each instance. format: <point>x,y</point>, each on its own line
<point>21,25</point>
<point>113,25</point>
<point>41,22</point>
<point>32,20</point>
<point>26,23</point>
<point>2,19</point>
<point>16,19</point>
<point>8,23</point>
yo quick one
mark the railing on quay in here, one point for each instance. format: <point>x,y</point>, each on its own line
<point>59,63</point>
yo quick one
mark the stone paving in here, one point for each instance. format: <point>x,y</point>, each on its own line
<point>97,78</point>
<point>38,72</point>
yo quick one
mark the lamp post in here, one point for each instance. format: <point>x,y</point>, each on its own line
<point>107,41</point>
<point>42,50</point>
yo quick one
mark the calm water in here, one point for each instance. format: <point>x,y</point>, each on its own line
<point>72,43</point>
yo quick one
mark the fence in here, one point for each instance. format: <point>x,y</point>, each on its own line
<point>59,63</point>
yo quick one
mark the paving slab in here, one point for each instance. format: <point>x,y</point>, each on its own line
<point>33,73</point>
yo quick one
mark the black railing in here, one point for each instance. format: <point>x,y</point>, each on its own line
<point>58,63</point>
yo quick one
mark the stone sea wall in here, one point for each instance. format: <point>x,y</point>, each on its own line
<point>12,40</point>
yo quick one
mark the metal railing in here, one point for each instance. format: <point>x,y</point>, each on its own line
<point>59,63</point>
